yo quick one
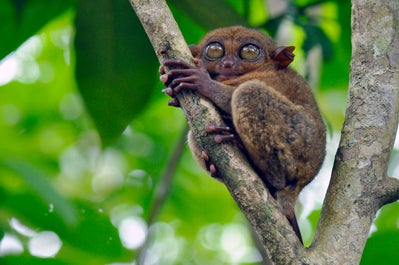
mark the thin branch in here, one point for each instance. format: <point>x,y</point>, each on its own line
<point>166,177</point>
<point>162,190</point>
<point>389,190</point>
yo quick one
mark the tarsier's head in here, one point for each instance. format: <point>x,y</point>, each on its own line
<point>231,52</point>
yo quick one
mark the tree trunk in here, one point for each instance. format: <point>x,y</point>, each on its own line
<point>359,184</point>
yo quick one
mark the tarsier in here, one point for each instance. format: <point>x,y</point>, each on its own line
<point>269,108</point>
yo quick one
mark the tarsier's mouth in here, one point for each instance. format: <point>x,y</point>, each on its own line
<point>221,78</point>
<point>227,75</point>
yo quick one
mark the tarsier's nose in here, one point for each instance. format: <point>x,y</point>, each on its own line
<point>228,63</point>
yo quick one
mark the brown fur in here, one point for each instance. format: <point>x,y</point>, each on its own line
<point>271,107</point>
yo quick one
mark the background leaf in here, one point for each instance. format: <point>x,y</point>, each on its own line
<point>20,19</point>
<point>115,64</point>
<point>38,183</point>
<point>382,248</point>
<point>222,14</point>
<point>26,259</point>
<point>316,36</point>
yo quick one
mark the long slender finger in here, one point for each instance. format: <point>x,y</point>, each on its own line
<point>182,86</point>
<point>213,171</point>
<point>205,156</point>
<point>210,128</point>
<point>219,138</point>
<point>174,75</point>
<point>164,78</point>
<point>182,72</point>
<point>161,70</point>
<point>168,91</point>
<point>176,64</point>
<point>199,63</point>
<point>174,103</point>
<point>191,79</point>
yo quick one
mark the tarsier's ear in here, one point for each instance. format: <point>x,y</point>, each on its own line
<point>283,55</point>
<point>194,50</point>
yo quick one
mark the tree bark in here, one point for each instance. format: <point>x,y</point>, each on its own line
<point>359,185</point>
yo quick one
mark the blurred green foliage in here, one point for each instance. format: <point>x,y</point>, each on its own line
<point>89,146</point>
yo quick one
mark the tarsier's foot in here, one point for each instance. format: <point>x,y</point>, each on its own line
<point>220,138</point>
<point>226,134</point>
<point>174,103</point>
<point>225,130</point>
<point>209,166</point>
<point>209,128</point>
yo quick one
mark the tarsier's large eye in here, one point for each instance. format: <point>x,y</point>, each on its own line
<point>249,52</point>
<point>214,50</point>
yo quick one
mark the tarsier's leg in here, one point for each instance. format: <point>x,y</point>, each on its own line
<point>201,156</point>
<point>281,140</point>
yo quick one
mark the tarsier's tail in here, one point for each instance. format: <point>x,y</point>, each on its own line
<point>286,199</point>
<point>292,220</point>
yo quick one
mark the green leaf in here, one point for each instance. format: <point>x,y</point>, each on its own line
<point>31,210</point>
<point>26,259</point>
<point>210,14</point>
<point>382,249</point>
<point>115,64</point>
<point>22,19</point>
<point>383,245</point>
<point>336,71</point>
<point>313,218</point>
<point>95,234</point>
<point>273,24</point>
<point>388,217</point>
<point>37,180</point>
<point>1,233</point>
<point>315,36</point>
<point>92,232</point>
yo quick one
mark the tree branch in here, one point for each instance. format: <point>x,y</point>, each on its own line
<point>359,178</point>
<point>166,178</point>
<point>389,191</point>
<point>245,186</point>
<point>162,192</point>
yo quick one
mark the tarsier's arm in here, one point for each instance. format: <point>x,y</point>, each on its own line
<point>273,112</point>
<point>185,76</point>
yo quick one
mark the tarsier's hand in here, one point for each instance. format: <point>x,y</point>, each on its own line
<point>185,76</point>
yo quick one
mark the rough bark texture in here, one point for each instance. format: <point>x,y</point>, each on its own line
<point>359,185</point>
